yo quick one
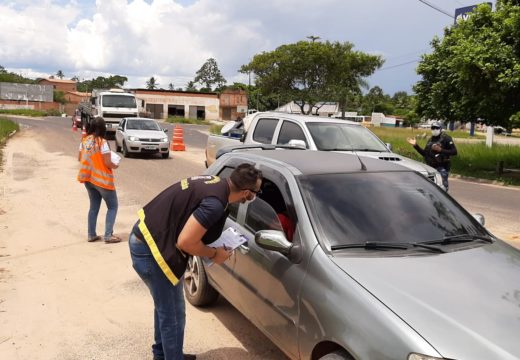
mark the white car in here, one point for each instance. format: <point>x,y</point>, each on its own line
<point>142,135</point>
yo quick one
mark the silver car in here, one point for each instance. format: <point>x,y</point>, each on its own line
<point>142,135</point>
<point>375,262</point>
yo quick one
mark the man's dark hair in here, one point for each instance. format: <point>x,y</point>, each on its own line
<point>97,127</point>
<point>245,177</point>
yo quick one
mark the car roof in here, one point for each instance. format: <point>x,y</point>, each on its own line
<point>304,118</point>
<point>310,162</point>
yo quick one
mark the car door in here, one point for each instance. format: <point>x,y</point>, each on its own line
<point>268,282</point>
<point>221,276</point>
<point>119,132</point>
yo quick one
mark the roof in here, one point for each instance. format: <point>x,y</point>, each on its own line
<point>63,81</point>
<point>310,162</point>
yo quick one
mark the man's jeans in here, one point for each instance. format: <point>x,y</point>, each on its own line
<point>169,311</point>
<point>445,173</point>
<point>95,194</point>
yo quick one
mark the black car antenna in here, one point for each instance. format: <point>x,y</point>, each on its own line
<point>363,167</point>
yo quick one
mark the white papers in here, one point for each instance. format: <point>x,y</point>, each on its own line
<point>230,239</point>
<point>115,158</point>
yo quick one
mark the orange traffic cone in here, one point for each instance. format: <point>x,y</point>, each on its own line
<point>177,139</point>
<point>84,132</point>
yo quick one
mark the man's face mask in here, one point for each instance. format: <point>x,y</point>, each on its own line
<point>250,195</point>
<point>436,131</point>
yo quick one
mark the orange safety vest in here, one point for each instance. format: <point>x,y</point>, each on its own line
<point>93,168</point>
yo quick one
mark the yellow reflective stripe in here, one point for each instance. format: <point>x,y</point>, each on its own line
<point>184,184</point>
<point>155,251</point>
<point>215,180</point>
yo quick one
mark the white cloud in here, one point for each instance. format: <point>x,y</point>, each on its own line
<point>171,39</point>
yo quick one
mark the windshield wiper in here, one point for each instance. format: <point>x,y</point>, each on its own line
<point>461,238</point>
<point>370,245</point>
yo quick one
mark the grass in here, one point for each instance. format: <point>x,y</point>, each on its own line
<point>215,129</point>
<point>6,127</point>
<point>30,112</point>
<point>473,159</point>
<point>181,120</point>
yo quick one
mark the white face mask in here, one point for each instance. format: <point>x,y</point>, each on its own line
<point>436,132</point>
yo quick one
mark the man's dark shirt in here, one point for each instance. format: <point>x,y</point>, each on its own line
<point>441,159</point>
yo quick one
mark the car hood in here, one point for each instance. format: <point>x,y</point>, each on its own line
<point>398,159</point>
<point>148,134</point>
<point>465,303</point>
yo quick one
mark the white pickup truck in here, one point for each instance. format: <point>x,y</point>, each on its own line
<point>314,133</point>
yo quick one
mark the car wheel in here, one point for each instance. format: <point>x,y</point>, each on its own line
<point>125,151</point>
<point>197,289</point>
<point>337,355</point>
<point>165,155</point>
<point>118,148</point>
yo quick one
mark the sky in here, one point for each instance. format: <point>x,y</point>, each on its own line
<point>171,39</point>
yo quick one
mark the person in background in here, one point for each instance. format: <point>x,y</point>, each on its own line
<point>178,223</point>
<point>438,151</point>
<point>97,176</point>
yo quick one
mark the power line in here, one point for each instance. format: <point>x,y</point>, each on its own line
<point>397,65</point>
<point>436,8</point>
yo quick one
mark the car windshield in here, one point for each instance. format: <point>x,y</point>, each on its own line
<point>119,101</point>
<point>344,136</point>
<point>388,207</point>
<point>140,124</point>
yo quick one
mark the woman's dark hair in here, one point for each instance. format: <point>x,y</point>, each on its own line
<point>245,176</point>
<point>97,127</point>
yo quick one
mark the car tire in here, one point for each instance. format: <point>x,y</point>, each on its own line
<point>125,151</point>
<point>165,155</point>
<point>118,148</point>
<point>197,288</point>
<point>337,355</point>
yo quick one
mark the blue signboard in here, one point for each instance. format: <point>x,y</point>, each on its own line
<point>464,12</point>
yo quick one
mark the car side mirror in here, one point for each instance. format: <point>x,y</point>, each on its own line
<point>243,137</point>
<point>165,130</point>
<point>120,128</point>
<point>273,240</point>
<point>297,143</point>
<point>389,146</point>
<point>480,218</point>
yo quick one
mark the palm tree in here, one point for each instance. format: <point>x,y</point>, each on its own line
<point>152,84</point>
<point>170,86</point>
<point>60,74</point>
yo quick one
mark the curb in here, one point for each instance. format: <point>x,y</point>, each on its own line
<point>483,181</point>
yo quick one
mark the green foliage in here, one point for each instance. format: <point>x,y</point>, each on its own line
<point>308,72</point>
<point>209,75</point>
<point>215,129</point>
<point>474,71</point>
<point>102,83</point>
<point>180,120</point>
<point>10,77</point>
<point>191,86</point>
<point>59,96</point>
<point>6,127</point>
<point>60,74</point>
<point>152,84</point>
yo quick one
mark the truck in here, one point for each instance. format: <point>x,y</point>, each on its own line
<point>313,133</point>
<point>111,104</point>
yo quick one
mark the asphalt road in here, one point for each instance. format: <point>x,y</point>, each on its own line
<point>148,174</point>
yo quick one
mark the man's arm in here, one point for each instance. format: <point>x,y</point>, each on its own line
<point>190,241</point>
<point>448,147</point>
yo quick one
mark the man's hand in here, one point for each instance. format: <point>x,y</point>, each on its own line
<point>411,141</point>
<point>222,255</point>
<point>436,148</point>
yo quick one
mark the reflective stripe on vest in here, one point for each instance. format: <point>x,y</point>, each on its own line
<point>93,168</point>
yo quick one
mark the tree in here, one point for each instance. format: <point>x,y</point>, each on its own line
<point>209,75</point>
<point>170,86</point>
<point>101,82</point>
<point>309,72</point>
<point>7,76</point>
<point>59,96</point>
<point>152,84</point>
<point>474,71</point>
<point>191,86</point>
<point>60,74</point>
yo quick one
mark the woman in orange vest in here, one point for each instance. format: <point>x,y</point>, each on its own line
<point>96,173</point>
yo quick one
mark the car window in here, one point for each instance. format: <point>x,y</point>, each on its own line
<point>264,130</point>
<point>261,216</point>
<point>142,124</point>
<point>290,131</point>
<point>346,137</point>
<point>122,123</point>
<point>232,208</point>
<point>390,207</point>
